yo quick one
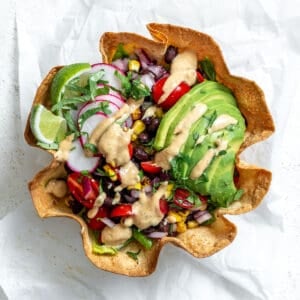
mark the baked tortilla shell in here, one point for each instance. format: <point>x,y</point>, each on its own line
<point>202,241</point>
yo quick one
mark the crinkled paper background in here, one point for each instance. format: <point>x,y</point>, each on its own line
<point>44,259</point>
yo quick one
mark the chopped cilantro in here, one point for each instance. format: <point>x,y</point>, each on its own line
<point>208,68</point>
<point>133,255</point>
<point>120,52</point>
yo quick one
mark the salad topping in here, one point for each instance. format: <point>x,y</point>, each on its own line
<point>148,153</point>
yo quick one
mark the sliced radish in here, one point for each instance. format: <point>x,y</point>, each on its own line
<point>111,98</point>
<point>111,91</point>
<point>109,74</point>
<point>77,161</point>
<point>92,122</point>
<point>113,107</point>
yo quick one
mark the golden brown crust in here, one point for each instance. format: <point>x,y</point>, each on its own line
<point>202,241</point>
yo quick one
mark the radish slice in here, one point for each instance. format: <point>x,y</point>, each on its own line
<point>113,107</point>
<point>89,125</point>
<point>111,91</point>
<point>109,74</point>
<point>77,161</point>
<point>92,122</point>
<point>112,99</point>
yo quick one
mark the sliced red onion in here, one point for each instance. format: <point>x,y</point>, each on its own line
<point>87,188</point>
<point>148,80</point>
<point>135,193</point>
<point>147,189</point>
<point>143,58</point>
<point>108,222</point>
<point>128,122</point>
<point>121,63</point>
<point>203,217</point>
<point>157,234</point>
<point>157,70</point>
<point>130,199</point>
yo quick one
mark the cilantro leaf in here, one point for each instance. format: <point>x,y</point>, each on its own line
<point>133,255</point>
<point>120,52</point>
<point>208,68</point>
<point>132,88</point>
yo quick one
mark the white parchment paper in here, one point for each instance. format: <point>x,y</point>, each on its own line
<point>44,259</point>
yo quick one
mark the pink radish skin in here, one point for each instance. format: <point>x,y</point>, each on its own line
<point>78,162</point>
<point>109,74</point>
<point>92,122</point>
<point>111,91</point>
<point>112,99</point>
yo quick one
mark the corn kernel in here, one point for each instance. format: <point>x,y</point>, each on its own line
<point>133,137</point>
<point>110,172</point>
<point>134,65</point>
<point>137,186</point>
<point>183,214</point>
<point>181,227</point>
<point>138,127</point>
<point>159,112</point>
<point>136,115</point>
<point>175,215</point>
<point>169,190</point>
<point>192,224</point>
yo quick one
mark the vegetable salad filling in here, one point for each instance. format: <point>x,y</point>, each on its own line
<point>149,148</point>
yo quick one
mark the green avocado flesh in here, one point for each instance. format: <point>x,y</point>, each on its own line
<point>217,179</point>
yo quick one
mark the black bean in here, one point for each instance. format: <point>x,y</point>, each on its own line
<point>144,137</point>
<point>141,154</point>
<point>164,176</point>
<point>170,54</point>
<point>147,121</point>
<point>75,206</point>
<point>154,125</point>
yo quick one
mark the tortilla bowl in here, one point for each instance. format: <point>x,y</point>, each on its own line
<point>202,241</point>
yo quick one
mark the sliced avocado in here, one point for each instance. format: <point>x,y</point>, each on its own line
<point>217,180</point>
<point>197,94</point>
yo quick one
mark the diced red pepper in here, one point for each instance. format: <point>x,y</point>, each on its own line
<point>121,210</point>
<point>181,198</point>
<point>96,223</point>
<point>130,150</point>
<point>163,205</point>
<point>76,181</point>
<point>200,77</point>
<point>150,167</point>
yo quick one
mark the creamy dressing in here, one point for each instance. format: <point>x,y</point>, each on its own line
<point>65,146</point>
<point>115,236</point>
<point>98,203</point>
<point>129,174</point>
<point>113,144</point>
<point>181,132</point>
<point>116,199</point>
<point>146,211</point>
<point>104,125</point>
<point>57,187</point>
<point>202,164</point>
<point>221,122</point>
<point>183,69</point>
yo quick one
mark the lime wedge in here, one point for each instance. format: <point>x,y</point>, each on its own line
<point>45,126</point>
<point>65,75</point>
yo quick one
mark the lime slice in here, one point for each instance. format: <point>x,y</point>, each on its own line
<point>65,75</point>
<point>45,126</point>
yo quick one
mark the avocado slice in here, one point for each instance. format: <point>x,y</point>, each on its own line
<point>217,179</point>
<point>207,89</point>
